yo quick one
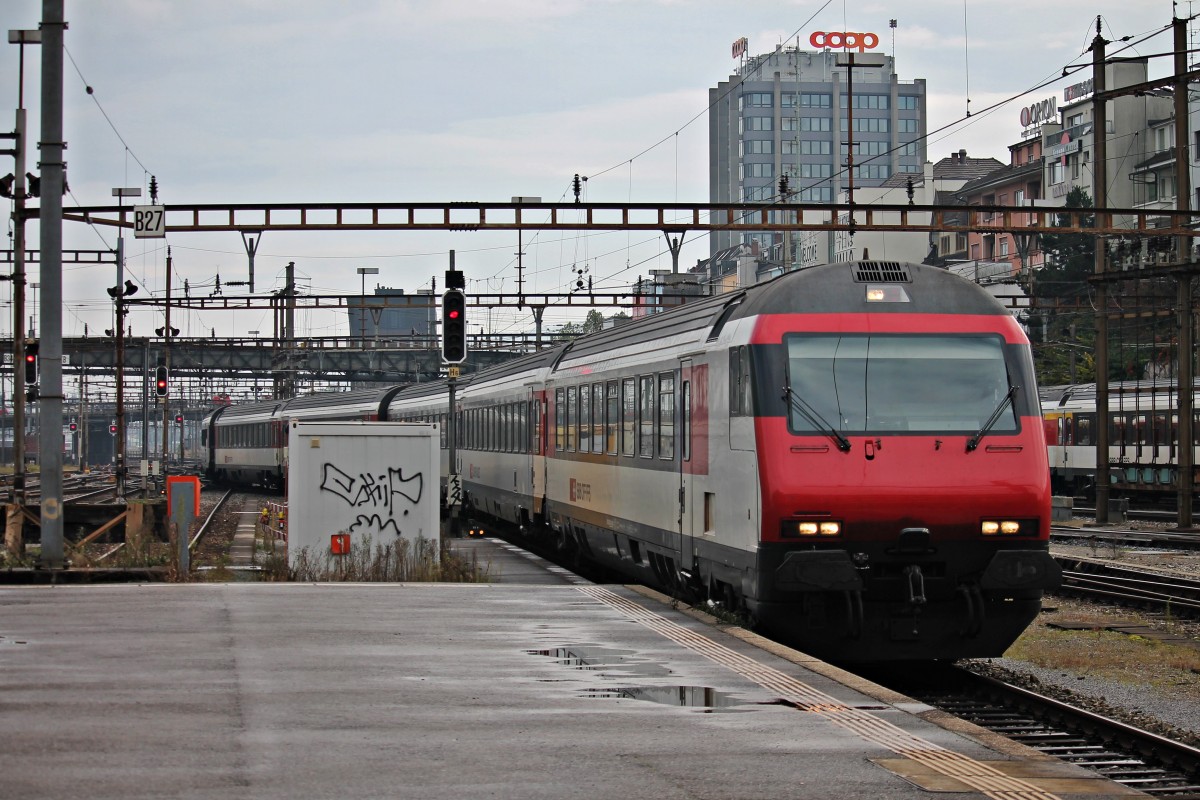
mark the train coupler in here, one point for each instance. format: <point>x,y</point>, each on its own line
<point>916,585</point>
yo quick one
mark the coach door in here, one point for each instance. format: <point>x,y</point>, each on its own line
<point>538,411</point>
<point>683,440</point>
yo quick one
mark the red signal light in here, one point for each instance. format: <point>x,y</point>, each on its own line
<point>452,314</point>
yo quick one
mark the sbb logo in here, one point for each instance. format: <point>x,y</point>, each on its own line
<point>849,40</point>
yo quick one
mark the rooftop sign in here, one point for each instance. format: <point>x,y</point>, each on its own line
<point>1036,114</point>
<point>1077,91</point>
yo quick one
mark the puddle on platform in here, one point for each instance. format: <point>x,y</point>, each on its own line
<point>699,697</point>
<point>605,659</point>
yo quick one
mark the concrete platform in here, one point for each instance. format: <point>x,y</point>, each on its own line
<point>453,691</point>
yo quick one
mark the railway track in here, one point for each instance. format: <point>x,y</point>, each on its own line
<point>208,521</point>
<point>1175,540</point>
<point>1097,580</point>
<point>1125,754</point>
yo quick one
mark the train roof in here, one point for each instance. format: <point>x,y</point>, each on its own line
<point>838,288</point>
<point>1084,394</point>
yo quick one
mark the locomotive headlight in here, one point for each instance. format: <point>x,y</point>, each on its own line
<point>793,528</point>
<point>1007,527</point>
<point>886,293</point>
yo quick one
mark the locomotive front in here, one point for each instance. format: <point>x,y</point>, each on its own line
<point>902,461</point>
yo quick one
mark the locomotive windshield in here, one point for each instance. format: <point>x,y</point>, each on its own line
<point>885,383</point>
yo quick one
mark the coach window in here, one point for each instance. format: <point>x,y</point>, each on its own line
<point>628,415</point>
<point>597,417</point>
<point>646,416</point>
<point>560,422</point>
<point>510,427</point>
<point>1083,429</point>
<point>585,419</point>
<point>612,418</point>
<point>666,416</point>
<point>572,416</point>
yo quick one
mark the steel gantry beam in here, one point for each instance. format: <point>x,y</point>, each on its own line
<point>738,217</point>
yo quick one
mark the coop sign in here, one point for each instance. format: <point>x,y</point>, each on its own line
<point>740,47</point>
<point>847,39</point>
<point>1036,114</point>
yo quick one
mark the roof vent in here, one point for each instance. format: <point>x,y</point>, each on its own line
<point>881,272</point>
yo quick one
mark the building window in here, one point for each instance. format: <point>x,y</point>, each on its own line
<point>1056,172</point>
<point>759,123</point>
<point>1003,246</point>
<point>815,100</point>
<point>759,170</point>
<point>908,102</point>
<point>815,195</point>
<point>872,171</point>
<point>816,170</point>
<point>759,146</point>
<point>873,101</point>
<point>787,100</point>
<point>906,126</point>
<point>909,168</point>
<point>758,193</point>
<point>814,123</point>
<point>865,148</point>
<point>867,124</point>
<point>757,100</point>
<point>816,148</point>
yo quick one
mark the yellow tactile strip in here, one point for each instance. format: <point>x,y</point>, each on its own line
<point>979,776</point>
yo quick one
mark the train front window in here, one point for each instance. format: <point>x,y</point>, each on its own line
<point>897,383</point>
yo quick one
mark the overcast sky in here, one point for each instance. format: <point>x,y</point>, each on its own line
<point>261,101</point>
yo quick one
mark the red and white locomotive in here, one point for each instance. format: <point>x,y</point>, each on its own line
<point>851,454</point>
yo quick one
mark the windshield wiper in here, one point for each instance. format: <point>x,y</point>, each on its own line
<point>816,420</point>
<point>973,442</point>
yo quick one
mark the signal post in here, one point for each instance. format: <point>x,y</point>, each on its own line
<point>454,352</point>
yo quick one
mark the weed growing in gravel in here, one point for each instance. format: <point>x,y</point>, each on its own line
<point>419,560</point>
<point>1113,656</point>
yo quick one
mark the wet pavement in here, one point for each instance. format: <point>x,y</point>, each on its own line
<point>451,691</point>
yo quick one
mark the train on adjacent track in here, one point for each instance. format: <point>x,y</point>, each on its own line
<point>1143,438</point>
<point>851,455</point>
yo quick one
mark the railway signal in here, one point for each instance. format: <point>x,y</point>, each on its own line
<point>454,326</point>
<point>160,381</point>
<point>31,362</point>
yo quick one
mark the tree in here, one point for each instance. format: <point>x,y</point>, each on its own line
<point>592,323</point>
